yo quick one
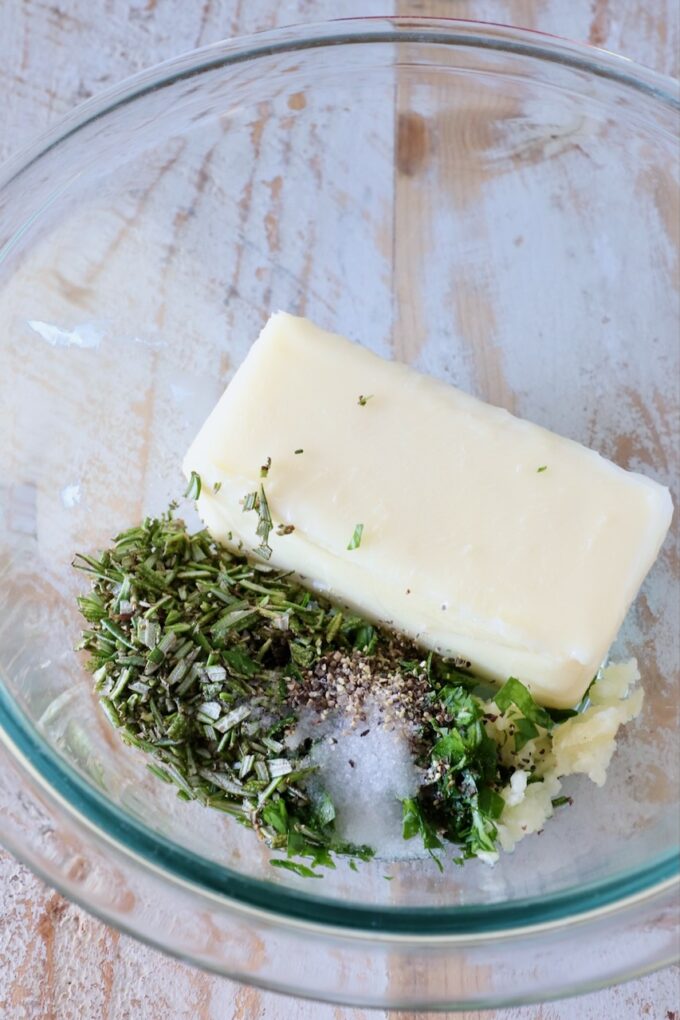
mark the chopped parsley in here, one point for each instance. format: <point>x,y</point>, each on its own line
<point>460,800</point>
<point>295,866</point>
<point>513,692</point>
<point>543,467</point>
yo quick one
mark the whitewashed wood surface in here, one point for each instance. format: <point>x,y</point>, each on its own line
<point>56,962</point>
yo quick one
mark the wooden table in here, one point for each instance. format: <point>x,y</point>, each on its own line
<point>56,962</point>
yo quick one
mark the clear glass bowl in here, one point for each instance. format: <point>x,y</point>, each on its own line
<point>491,205</point>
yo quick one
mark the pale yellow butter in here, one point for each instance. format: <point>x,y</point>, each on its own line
<point>466,545</point>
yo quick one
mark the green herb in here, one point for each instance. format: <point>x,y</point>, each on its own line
<point>490,803</point>
<point>216,487</point>
<point>461,802</point>
<point>193,489</point>
<point>414,823</point>
<point>258,501</point>
<point>513,692</point>
<point>559,715</point>
<point>264,525</point>
<point>366,638</point>
<point>299,869</point>
<point>250,502</point>
<point>525,730</point>
<point>298,451</point>
<point>543,467</point>
<point>561,801</point>
<point>325,810</point>
<point>363,400</point>
<point>264,470</point>
<point>355,540</point>
<point>193,649</point>
<point>186,671</point>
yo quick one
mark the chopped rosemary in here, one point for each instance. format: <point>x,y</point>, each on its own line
<point>258,501</point>
<point>543,467</point>
<point>298,451</point>
<point>264,525</point>
<point>194,673</point>
<point>355,540</point>
<point>249,501</point>
<point>193,490</point>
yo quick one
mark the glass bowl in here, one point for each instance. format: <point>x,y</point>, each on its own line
<point>493,206</point>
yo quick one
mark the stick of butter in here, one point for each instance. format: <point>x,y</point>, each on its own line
<point>484,536</point>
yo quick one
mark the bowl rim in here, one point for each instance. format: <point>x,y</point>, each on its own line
<point>80,798</point>
<point>490,35</point>
<point>619,918</point>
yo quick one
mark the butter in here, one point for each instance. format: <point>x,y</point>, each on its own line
<point>484,536</point>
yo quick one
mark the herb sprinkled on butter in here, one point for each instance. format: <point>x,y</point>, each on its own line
<point>363,400</point>
<point>543,467</point>
<point>193,489</point>
<point>264,525</point>
<point>249,502</point>
<point>355,540</point>
<point>258,501</point>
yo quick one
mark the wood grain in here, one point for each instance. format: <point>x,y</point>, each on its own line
<point>57,962</point>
